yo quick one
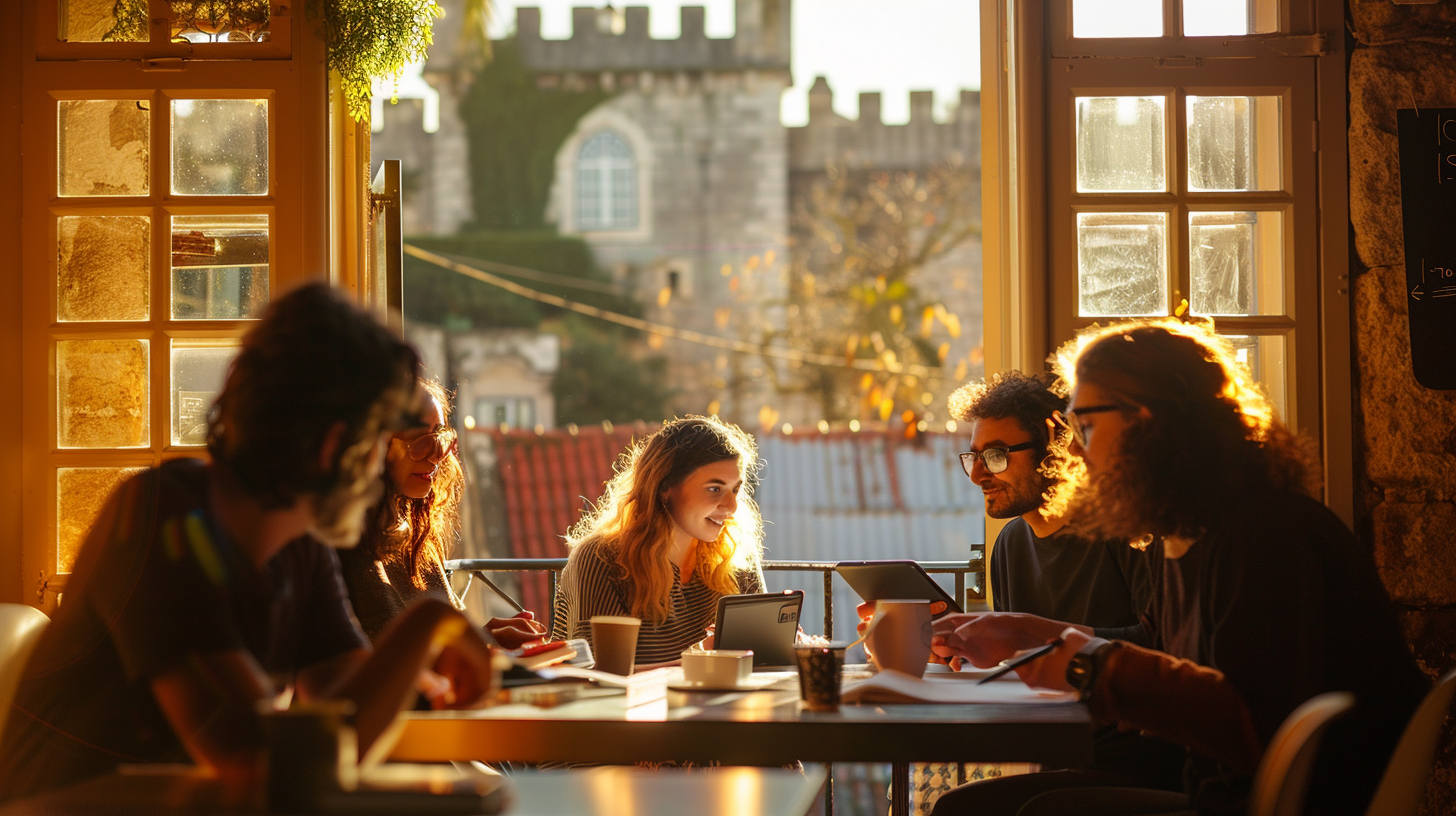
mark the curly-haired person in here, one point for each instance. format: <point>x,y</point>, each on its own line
<point>1262,599</point>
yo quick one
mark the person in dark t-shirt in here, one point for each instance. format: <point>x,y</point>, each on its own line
<point>1262,599</point>
<point>1044,577</point>
<point>204,589</point>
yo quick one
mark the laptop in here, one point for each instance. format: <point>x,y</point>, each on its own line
<point>766,624</point>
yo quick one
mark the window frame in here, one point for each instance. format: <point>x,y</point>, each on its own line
<point>1023,46</point>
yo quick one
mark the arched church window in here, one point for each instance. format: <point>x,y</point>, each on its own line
<point>606,184</point>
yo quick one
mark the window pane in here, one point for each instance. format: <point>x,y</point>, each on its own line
<point>1212,18</point>
<point>1234,143</point>
<point>102,265</point>
<point>198,372</point>
<point>1265,356</point>
<point>102,21</point>
<point>1122,264</point>
<point>219,267</point>
<point>101,393</point>
<point>220,146</point>
<point>203,21</point>
<point>1120,144</point>
<point>1117,18</point>
<point>80,495</point>
<point>1236,262</point>
<point>104,146</point>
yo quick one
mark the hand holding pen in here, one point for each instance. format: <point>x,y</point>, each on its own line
<point>1017,662</point>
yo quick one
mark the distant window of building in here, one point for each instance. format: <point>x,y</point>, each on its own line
<point>606,184</point>
<point>515,412</point>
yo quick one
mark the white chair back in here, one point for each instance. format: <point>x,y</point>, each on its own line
<point>1404,784</point>
<point>1282,780</point>
<point>20,630</point>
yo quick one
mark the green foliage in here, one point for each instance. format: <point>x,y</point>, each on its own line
<point>373,39</point>
<point>131,22</point>
<point>515,130</point>
<point>444,298</point>
<point>598,381</point>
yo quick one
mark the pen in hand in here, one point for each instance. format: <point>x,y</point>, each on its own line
<point>1020,661</point>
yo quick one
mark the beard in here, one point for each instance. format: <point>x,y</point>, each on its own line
<point>1127,500</point>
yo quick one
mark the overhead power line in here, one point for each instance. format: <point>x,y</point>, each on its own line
<point>688,335</point>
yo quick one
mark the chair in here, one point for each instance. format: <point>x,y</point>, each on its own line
<point>1282,779</point>
<point>1280,782</point>
<point>20,630</point>
<point>1404,784</point>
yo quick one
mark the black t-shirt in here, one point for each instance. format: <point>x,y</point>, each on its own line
<point>155,582</point>
<point>1102,584</point>
<point>1281,599</point>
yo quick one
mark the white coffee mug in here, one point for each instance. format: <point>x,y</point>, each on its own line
<point>898,636</point>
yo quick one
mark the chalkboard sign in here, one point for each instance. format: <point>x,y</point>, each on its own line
<point>1428,206</point>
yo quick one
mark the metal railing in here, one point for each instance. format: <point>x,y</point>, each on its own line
<point>477,567</point>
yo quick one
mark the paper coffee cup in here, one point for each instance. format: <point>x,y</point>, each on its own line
<point>614,642</point>
<point>898,636</point>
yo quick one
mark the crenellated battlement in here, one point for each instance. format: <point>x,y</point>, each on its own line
<point>607,40</point>
<point>869,142</point>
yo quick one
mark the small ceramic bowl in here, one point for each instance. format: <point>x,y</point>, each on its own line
<point>720,668</point>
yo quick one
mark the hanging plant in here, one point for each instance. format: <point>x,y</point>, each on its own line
<point>366,39</point>
<point>374,39</point>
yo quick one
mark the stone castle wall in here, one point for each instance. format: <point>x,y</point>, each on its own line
<point>1405,56</point>
<point>869,142</point>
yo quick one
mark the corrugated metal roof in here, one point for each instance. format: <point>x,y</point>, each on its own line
<point>825,497</point>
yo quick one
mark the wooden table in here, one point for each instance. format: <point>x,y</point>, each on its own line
<point>764,728</point>
<point>593,792</point>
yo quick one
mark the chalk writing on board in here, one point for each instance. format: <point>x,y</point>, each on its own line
<point>1436,282</point>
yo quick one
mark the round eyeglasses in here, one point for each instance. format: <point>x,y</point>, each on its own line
<point>434,446</point>
<point>1074,423</point>
<point>995,459</point>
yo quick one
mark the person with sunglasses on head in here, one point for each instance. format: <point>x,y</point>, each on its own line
<point>409,534</point>
<point>1262,598</point>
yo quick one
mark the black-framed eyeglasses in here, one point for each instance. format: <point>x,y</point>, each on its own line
<point>1079,432</point>
<point>995,459</point>
<point>436,445</point>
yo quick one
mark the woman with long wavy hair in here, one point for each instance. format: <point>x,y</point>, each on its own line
<point>676,530</point>
<point>409,534</point>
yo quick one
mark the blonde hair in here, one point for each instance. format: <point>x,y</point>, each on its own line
<point>634,530</point>
<point>423,530</point>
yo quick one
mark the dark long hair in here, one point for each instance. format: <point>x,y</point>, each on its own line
<point>421,531</point>
<point>1211,442</point>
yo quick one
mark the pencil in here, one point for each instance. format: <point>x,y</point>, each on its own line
<point>1021,661</point>
<point>501,592</point>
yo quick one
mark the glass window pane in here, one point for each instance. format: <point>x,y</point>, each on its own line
<point>202,21</point>
<point>102,21</point>
<point>219,267</point>
<point>198,371</point>
<point>1122,264</point>
<point>1236,263</point>
<point>101,393</point>
<point>80,495</point>
<point>1265,356</point>
<point>1117,18</point>
<point>220,146</point>
<point>1234,143</point>
<point>104,146</point>
<point>1120,144</point>
<point>102,266</point>
<point>1213,18</point>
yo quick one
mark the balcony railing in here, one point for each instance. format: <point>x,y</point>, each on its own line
<point>966,592</point>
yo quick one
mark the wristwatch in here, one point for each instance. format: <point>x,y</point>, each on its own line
<point>1086,665</point>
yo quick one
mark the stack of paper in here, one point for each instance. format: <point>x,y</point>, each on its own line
<point>890,686</point>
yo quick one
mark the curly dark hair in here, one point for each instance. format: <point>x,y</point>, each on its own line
<point>314,360</point>
<point>1211,440</point>
<point>1030,399</point>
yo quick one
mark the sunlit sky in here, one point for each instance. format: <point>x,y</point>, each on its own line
<point>891,46</point>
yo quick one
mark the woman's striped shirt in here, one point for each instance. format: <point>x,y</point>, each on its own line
<point>588,588</point>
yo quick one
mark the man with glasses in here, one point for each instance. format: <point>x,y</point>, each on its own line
<point>1044,577</point>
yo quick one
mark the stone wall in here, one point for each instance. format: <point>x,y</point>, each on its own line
<point>869,142</point>
<point>1405,56</point>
